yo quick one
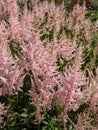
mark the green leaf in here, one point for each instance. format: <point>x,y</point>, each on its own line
<point>23,115</point>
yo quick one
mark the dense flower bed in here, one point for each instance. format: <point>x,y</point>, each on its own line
<point>48,67</point>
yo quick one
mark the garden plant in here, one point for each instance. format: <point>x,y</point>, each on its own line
<point>48,65</point>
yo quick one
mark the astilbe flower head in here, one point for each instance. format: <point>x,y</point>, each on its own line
<point>10,72</point>
<point>3,111</point>
<point>3,10</point>
<point>93,91</point>
<point>78,23</point>
<point>55,14</point>
<point>11,78</point>
<point>4,34</point>
<point>84,121</point>
<point>72,89</point>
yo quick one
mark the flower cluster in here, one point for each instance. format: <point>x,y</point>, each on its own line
<point>49,53</point>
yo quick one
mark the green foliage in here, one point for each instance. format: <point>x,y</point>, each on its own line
<point>14,48</point>
<point>61,66</point>
<point>92,14</point>
<point>68,33</point>
<point>94,4</point>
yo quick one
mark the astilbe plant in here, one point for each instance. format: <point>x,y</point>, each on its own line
<point>43,35</point>
<point>42,62</point>
<point>10,72</point>
<point>11,78</point>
